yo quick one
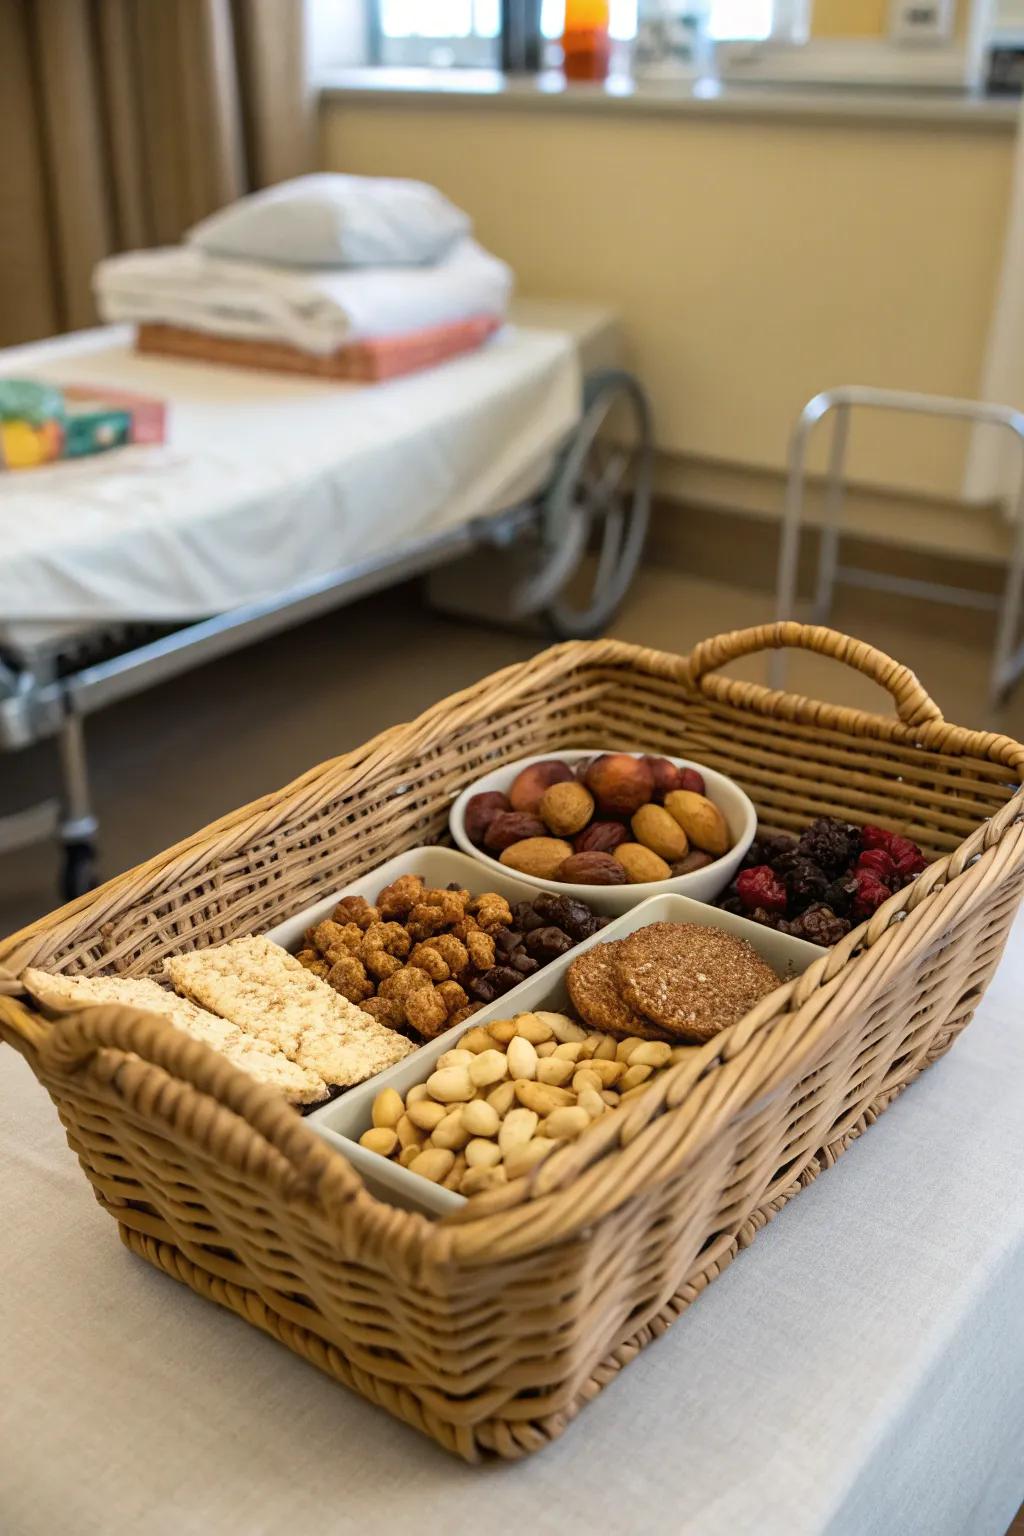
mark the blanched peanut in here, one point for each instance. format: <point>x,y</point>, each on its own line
<point>502,1098</point>
<point>606,1048</point>
<point>408,1154</point>
<point>481,1153</point>
<point>593,1103</point>
<point>530,1026</point>
<point>554,1071</point>
<point>426,1113</point>
<point>610,1097</point>
<point>451,1133</point>
<point>518,1126</point>
<point>565,1124</point>
<point>625,1048</point>
<point>608,1071</point>
<point>542,1097</point>
<point>562,1027</point>
<point>481,1118</point>
<point>458,1170</point>
<point>452,1085</point>
<point>584,1078</point>
<point>570,1051</point>
<point>433,1164</point>
<point>410,1134</point>
<point>633,1077</point>
<point>502,1030</point>
<point>476,1180</point>
<point>476,1040</point>
<point>521,1159</point>
<point>490,1066</point>
<point>651,1053</point>
<point>415,1094</point>
<point>588,1046</point>
<point>382,1139</point>
<point>388,1108</point>
<point>455,1058</point>
<point>522,1058</point>
<point>546,1048</point>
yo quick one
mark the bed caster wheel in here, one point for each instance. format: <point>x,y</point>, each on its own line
<point>596,512</point>
<point>80,872</point>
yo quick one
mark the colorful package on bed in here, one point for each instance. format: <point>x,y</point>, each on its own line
<point>40,423</point>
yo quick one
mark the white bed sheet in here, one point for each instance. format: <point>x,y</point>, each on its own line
<point>266,481</point>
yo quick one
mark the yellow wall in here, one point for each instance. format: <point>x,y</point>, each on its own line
<point>753,262</point>
<point>863,18</point>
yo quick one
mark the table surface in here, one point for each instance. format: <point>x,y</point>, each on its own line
<point>860,1369</point>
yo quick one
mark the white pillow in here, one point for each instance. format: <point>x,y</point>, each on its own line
<point>335,221</point>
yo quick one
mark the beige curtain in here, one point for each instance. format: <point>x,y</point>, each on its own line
<point>122,122</point>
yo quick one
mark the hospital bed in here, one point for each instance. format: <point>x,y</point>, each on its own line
<point>277,499</point>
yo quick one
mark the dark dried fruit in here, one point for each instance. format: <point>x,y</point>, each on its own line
<point>840,895</point>
<point>507,939</point>
<point>870,895</point>
<point>547,943</point>
<point>525,964</point>
<point>760,887</point>
<point>592,869</point>
<point>665,775</point>
<point>509,827</point>
<point>503,978</point>
<point>806,884</point>
<point>768,919</point>
<point>733,904</point>
<point>482,988</point>
<point>820,925</point>
<point>778,846</point>
<point>574,917</point>
<point>690,779</point>
<point>695,859</point>
<point>832,844</point>
<point>601,837</point>
<point>525,915</point>
<point>480,812</point>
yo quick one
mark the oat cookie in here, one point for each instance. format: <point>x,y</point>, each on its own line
<point>593,987</point>
<point>689,980</point>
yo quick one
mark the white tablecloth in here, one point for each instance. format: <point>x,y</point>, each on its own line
<point>860,1370</point>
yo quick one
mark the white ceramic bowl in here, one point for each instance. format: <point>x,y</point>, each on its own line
<point>702,885</point>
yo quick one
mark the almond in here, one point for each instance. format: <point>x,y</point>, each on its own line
<point>701,820</point>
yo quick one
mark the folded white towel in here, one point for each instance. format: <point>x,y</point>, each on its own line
<point>316,310</point>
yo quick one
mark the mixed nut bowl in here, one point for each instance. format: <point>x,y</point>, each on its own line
<point>608,828</point>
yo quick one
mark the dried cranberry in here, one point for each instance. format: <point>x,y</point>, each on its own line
<point>878,863</point>
<point>759,887</point>
<point>907,857</point>
<point>876,837</point>
<point>870,894</point>
<point>819,925</point>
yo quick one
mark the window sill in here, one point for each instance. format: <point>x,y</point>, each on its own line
<point>705,97</point>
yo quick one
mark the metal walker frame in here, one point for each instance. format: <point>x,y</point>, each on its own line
<point>1008,652</point>
<point>593,497</point>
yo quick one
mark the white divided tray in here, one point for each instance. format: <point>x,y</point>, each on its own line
<point>344,1121</point>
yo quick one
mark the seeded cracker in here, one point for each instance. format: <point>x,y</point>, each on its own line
<point>689,980</point>
<point>593,987</point>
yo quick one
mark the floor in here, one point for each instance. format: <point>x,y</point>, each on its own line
<point>171,760</point>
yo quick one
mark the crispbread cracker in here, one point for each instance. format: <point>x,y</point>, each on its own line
<point>261,1061</point>
<point>265,991</point>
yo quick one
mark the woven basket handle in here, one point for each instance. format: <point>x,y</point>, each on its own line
<point>913,705</point>
<point>73,1041</point>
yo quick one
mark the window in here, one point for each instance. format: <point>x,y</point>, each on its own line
<point>444,32</point>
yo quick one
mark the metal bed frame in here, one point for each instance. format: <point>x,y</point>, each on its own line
<point>1008,652</point>
<point>595,506</point>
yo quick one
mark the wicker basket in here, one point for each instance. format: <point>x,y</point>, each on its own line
<point>491,1329</point>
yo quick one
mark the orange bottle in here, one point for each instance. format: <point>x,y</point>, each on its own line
<point>585,40</point>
